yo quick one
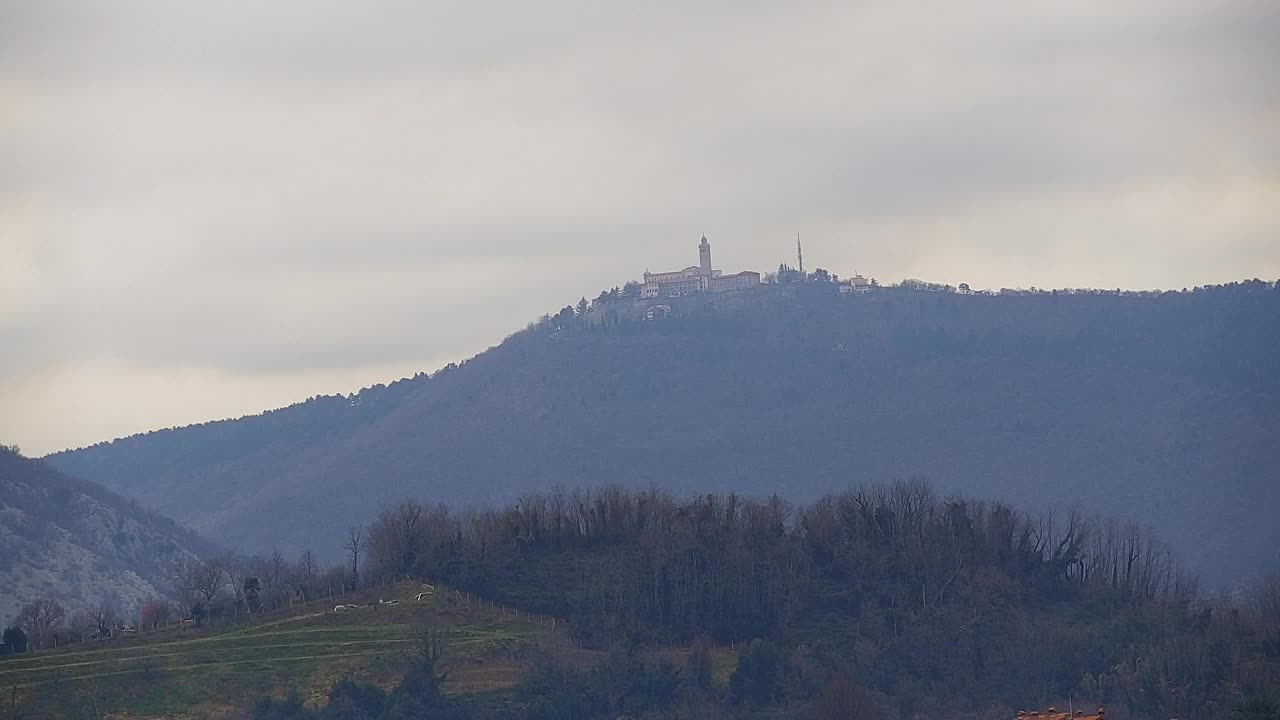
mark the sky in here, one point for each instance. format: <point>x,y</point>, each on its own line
<point>211,209</point>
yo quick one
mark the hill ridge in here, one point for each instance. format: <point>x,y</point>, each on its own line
<point>1161,407</point>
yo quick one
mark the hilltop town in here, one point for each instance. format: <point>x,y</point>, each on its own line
<point>703,277</point>
<point>647,298</point>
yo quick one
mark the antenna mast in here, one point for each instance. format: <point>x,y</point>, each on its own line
<point>799,254</point>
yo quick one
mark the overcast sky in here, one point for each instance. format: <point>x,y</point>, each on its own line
<point>212,208</point>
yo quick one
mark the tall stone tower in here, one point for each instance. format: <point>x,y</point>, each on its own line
<point>704,257</point>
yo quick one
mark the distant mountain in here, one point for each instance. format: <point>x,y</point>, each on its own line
<point>72,541</point>
<point>1161,407</point>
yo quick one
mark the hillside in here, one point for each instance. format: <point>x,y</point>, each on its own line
<point>885,602</point>
<point>1162,408</point>
<point>72,541</point>
<point>200,672</point>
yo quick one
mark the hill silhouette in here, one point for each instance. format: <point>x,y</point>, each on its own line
<point>1158,407</point>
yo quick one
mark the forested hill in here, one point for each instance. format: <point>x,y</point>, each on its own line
<point>1162,408</point>
<point>81,545</point>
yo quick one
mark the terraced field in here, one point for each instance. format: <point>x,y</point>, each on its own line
<point>193,673</point>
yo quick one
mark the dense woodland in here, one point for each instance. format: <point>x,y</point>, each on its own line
<point>1160,407</point>
<point>885,601</point>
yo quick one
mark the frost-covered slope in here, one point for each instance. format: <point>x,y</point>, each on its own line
<point>78,543</point>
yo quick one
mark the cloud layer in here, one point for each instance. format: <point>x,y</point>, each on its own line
<point>209,209</point>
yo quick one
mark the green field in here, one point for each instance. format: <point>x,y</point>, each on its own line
<point>216,672</point>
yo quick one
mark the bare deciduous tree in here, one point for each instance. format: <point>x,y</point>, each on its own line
<point>397,537</point>
<point>277,570</point>
<point>199,580</point>
<point>104,616</point>
<point>235,570</point>
<point>304,574</point>
<point>80,624</point>
<point>353,546</point>
<point>40,618</point>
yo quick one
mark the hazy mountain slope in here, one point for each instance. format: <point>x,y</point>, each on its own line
<point>1161,408</point>
<point>76,542</point>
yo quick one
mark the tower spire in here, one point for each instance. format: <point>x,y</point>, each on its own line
<point>799,254</point>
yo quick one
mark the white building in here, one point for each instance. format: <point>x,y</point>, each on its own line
<point>696,278</point>
<point>856,284</point>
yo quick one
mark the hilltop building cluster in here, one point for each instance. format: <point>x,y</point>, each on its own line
<point>696,278</point>
<point>703,277</point>
<point>855,284</point>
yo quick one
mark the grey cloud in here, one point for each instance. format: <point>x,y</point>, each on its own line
<point>244,191</point>
<point>333,40</point>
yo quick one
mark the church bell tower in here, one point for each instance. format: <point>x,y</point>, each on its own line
<point>704,257</point>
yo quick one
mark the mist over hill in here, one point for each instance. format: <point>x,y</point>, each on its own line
<point>69,540</point>
<point>1158,407</point>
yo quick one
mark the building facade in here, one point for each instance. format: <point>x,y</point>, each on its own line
<point>696,278</point>
<point>856,284</point>
<point>738,281</point>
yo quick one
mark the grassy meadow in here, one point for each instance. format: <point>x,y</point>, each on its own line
<point>218,672</point>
